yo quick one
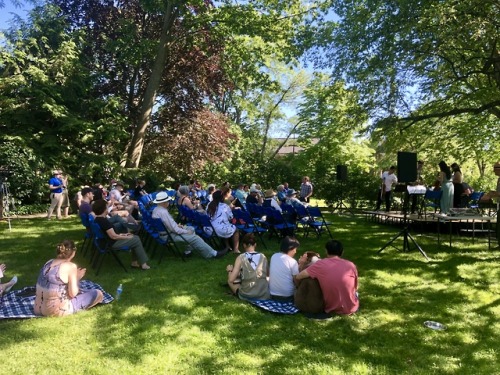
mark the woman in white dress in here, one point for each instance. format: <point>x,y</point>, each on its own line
<point>220,216</point>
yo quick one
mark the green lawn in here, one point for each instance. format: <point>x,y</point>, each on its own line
<point>178,319</point>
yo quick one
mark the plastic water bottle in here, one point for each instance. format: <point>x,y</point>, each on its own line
<point>119,291</point>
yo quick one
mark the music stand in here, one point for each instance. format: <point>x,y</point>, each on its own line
<point>405,232</point>
<point>341,203</point>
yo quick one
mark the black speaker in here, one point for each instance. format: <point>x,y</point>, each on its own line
<point>407,166</point>
<point>341,172</point>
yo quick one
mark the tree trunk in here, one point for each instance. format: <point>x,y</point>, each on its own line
<point>134,151</point>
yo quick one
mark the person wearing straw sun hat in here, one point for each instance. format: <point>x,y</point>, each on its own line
<point>291,198</point>
<point>269,200</point>
<point>180,233</point>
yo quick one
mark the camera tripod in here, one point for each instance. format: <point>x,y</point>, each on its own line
<point>5,201</point>
<point>341,205</point>
<point>405,232</point>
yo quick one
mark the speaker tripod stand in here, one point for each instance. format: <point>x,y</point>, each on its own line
<point>405,233</point>
<point>341,205</point>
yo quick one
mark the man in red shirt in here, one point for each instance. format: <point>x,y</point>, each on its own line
<point>338,279</point>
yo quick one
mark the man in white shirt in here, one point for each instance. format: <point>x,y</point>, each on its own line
<point>283,270</point>
<point>181,233</point>
<point>388,179</point>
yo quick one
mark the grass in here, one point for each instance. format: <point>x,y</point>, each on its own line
<point>177,318</point>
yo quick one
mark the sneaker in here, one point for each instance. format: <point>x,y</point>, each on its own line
<point>12,282</point>
<point>220,254</point>
<point>188,254</point>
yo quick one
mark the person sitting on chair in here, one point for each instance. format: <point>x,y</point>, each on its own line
<point>291,199</point>
<point>185,200</point>
<point>120,240</point>
<point>180,233</point>
<point>254,197</point>
<point>220,215</point>
<point>281,193</point>
<point>270,201</point>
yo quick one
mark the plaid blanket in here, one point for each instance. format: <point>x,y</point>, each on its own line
<point>275,306</point>
<point>19,303</point>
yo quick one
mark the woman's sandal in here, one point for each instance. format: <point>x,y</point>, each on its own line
<point>136,266</point>
<point>12,282</point>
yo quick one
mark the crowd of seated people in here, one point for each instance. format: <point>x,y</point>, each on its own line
<point>112,210</point>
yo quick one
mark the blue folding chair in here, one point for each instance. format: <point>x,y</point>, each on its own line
<point>246,224</point>
<point>278,224</point>
<point>204,229</point>
<point>318,222</point>
<point>474,200</point>
<point>164,239</point>
<point>87,241</point>
<point>103,248</point>
<point>432,198</point>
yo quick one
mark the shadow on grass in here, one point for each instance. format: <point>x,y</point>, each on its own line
<point>179,316</point>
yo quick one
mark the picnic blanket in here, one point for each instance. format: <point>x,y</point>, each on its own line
<point>275,306</point>
<point>20,303</point>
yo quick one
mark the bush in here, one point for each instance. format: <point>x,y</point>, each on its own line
<point>29,209</point>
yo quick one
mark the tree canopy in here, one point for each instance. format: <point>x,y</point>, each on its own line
<point>184,88</point>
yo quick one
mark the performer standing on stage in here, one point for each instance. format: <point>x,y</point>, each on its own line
<point>419,181</point>
<point>495,194</point>
<point>444,178</point>
<point>388,179</point>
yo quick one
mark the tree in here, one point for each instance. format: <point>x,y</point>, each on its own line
<point>47,101</point>
<point>413,61</point>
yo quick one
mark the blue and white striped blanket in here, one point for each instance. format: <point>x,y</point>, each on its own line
<point>19,303</point>
<point>275,306</point>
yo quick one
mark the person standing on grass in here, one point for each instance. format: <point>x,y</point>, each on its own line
<point>65,197</point>
<point>248,277</point>
<point>56,186</point>
<point>283,270</point>
<point>338,279</point>
<point>57,291</point>
<point>120,240</point>
<point>306,190</point>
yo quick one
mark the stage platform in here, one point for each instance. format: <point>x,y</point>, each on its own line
<point>461,224</point>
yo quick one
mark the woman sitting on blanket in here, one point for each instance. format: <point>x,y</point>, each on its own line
<point>248,277</point>
<point>308,295</point>
<point>6,287</point>
<point>57,291</point>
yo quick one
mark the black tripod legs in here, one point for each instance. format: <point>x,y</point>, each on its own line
<point>406,243</point>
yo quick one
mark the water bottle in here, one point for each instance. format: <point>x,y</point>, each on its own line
<point>119,291</point>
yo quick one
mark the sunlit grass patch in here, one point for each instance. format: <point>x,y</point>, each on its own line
<point>178,319</point>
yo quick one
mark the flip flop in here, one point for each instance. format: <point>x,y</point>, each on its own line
<point>139,268</point>
<point>13,282</point>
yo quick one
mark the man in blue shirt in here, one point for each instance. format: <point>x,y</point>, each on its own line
<point>56,189</point>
